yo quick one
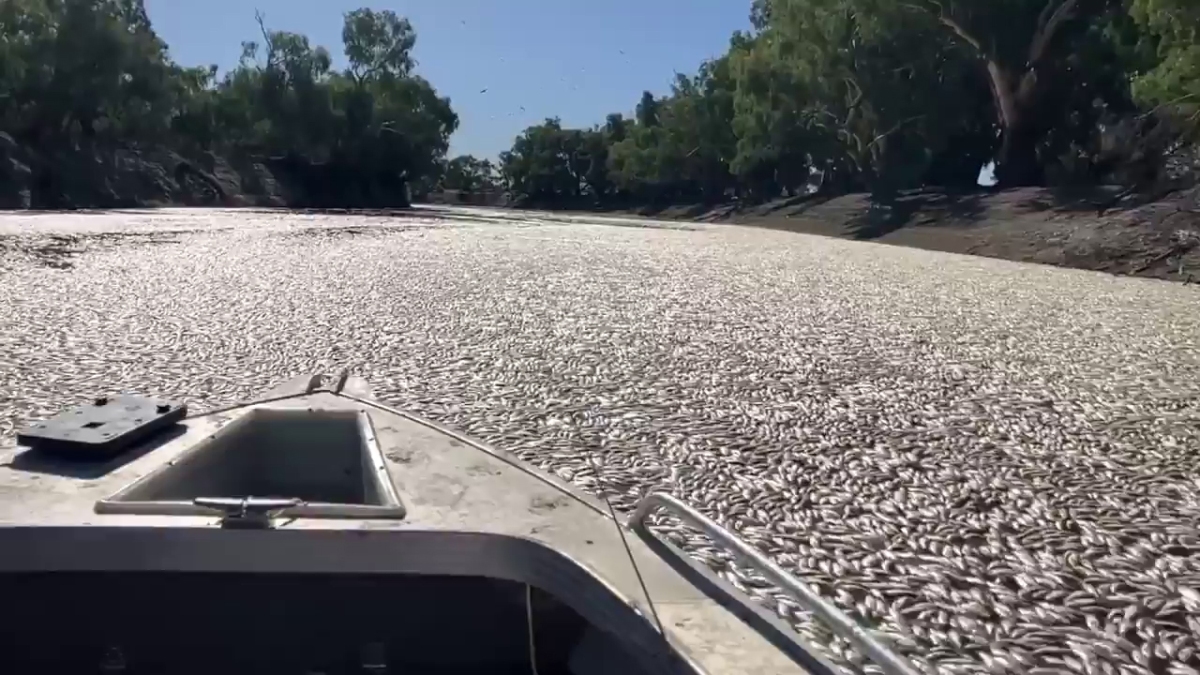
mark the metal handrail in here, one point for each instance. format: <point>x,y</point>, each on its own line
<point>841,624</point>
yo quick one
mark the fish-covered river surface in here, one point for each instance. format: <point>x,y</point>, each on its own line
<point>995,465</point>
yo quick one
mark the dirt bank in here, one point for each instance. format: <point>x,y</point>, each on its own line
<point>99,176</point>
<point>1088,229</point>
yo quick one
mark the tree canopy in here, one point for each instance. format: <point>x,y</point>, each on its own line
<point>847,95</point>
<point>80,72</point>
<point>830,96</point>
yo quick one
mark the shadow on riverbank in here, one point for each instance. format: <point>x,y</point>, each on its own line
<point>1094,229</point>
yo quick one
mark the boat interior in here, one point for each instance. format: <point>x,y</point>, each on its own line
<point>316,530</point>
<point>185,623</point>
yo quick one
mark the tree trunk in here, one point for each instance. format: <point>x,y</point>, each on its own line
<point>1017,163</point>
<point>1017,98</point>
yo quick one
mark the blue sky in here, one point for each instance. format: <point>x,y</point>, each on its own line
<point>576,59</point>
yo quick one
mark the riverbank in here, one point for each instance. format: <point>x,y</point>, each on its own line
<point>1089,229</point>
<point>97,176</point>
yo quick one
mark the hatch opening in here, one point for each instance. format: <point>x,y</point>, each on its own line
<point>328,459</point>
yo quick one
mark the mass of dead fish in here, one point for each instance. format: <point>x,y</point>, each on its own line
<point>992,465</point>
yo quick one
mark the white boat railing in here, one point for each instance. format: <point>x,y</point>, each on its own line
<point>837,620</point>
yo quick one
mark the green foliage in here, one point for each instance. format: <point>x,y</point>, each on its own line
<point>821,95</point>
<point>468,175</point>
<point>882,95</point>
<point>1173,26</point>
<point>74,72</point>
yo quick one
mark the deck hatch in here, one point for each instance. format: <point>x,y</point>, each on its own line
<point>328,459</point>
